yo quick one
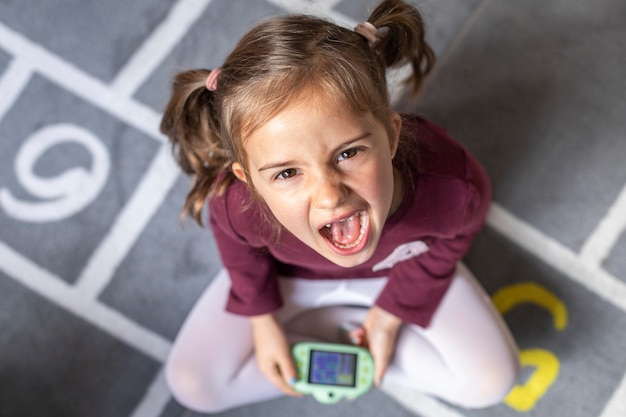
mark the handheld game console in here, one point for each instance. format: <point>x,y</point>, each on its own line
<point>330,371</point>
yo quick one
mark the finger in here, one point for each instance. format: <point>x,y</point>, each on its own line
<point>289,375</point>
<point>381,354</point>
<point>276,378</point>
<point>379,371</point>
<point>357,337</point>
<point>380,366</point>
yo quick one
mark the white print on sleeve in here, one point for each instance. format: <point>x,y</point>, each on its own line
<point>402,253</point>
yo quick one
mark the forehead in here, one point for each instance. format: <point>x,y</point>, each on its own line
<point>272,99</point>
<point>307,129</point>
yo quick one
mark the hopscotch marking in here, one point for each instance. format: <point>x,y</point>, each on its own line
<point>600,243</point>
<point>129,224</point>
<point>12,84</point>
<point>54,289</point>
<point>80,84</point>
<point>162,175</point>
<point>554,254</point>
<point>153,189</point>
<point>146,200</point>
<point>156,398</point>
<point>158,45</point>
<point>324,8</point>
<point>616,407</point>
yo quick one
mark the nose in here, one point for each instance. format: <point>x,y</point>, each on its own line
<point>329,191</point>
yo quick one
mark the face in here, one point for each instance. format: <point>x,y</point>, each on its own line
<point>327,177</point>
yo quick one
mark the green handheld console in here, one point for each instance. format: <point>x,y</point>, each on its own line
<point>330,371</point>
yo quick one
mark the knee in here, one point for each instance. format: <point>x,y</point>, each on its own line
<point>489,386</point>
<point>192,389</point>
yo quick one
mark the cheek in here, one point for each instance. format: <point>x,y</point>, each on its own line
<point>264,196</point>
<point>286,210</point>
<point>380,185</point>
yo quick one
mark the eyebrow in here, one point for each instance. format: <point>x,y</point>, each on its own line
<point>274,165</point>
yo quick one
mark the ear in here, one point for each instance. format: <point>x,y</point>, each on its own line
<point>395,122</point>
<point>239,171</point>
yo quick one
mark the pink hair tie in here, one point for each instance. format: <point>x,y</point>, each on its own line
<point>370,32</point>
<point>211,80</point>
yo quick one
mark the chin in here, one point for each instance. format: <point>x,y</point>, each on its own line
<point>351,260</point>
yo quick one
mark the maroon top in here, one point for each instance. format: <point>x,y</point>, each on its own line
<point>418,250</point>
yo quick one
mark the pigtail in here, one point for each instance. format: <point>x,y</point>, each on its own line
<point>402,39</point>
<point>191,123</point>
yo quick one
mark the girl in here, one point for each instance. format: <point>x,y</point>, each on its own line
<point>329,208</point>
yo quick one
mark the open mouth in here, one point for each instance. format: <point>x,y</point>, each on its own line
<point>347,233</point>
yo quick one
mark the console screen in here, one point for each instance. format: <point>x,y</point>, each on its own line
<point>332,368</point>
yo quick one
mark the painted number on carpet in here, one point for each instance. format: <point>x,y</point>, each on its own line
<point>61,196</point>
<point>524,397</point>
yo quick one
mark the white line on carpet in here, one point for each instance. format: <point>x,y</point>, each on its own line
<point>323,8</point>
<point>129,224</point>
<point>616,407</point>
<point>12,84</point>
<point>155,399</point>
<point>599,244</point>
<point>54,289</point>
<point>158,45</point>
<point>555,254</point>
<point>81,84</point>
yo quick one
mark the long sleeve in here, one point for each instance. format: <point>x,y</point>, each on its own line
<point>254,284</point>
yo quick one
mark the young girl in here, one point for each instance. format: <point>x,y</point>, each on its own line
<point>330,208</point>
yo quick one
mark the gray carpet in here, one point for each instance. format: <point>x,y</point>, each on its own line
<point>97,273</point>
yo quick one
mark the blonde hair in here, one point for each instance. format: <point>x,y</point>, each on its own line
<point>271,66</point>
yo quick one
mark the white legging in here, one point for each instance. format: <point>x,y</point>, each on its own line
<point>466,356</point>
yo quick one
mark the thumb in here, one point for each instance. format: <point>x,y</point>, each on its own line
<point>381,353</point>
<point>288,373</point>
<point>288,369</point>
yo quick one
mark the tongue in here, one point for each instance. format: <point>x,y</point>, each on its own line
<point>347,231</point>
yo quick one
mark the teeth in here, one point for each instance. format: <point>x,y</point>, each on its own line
<point>328,226</point>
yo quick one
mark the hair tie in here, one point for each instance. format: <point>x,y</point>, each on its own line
<point>367,30</point>
<point>370,32</point>
<point>211,80</point>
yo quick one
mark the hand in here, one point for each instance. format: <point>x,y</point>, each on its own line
<point>273,354</point>
<point>378,334</point>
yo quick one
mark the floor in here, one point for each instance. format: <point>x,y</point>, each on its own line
<point>97,273</point>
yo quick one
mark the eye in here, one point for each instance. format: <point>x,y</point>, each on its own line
<point>348,153</point>
<point>286,174</point>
